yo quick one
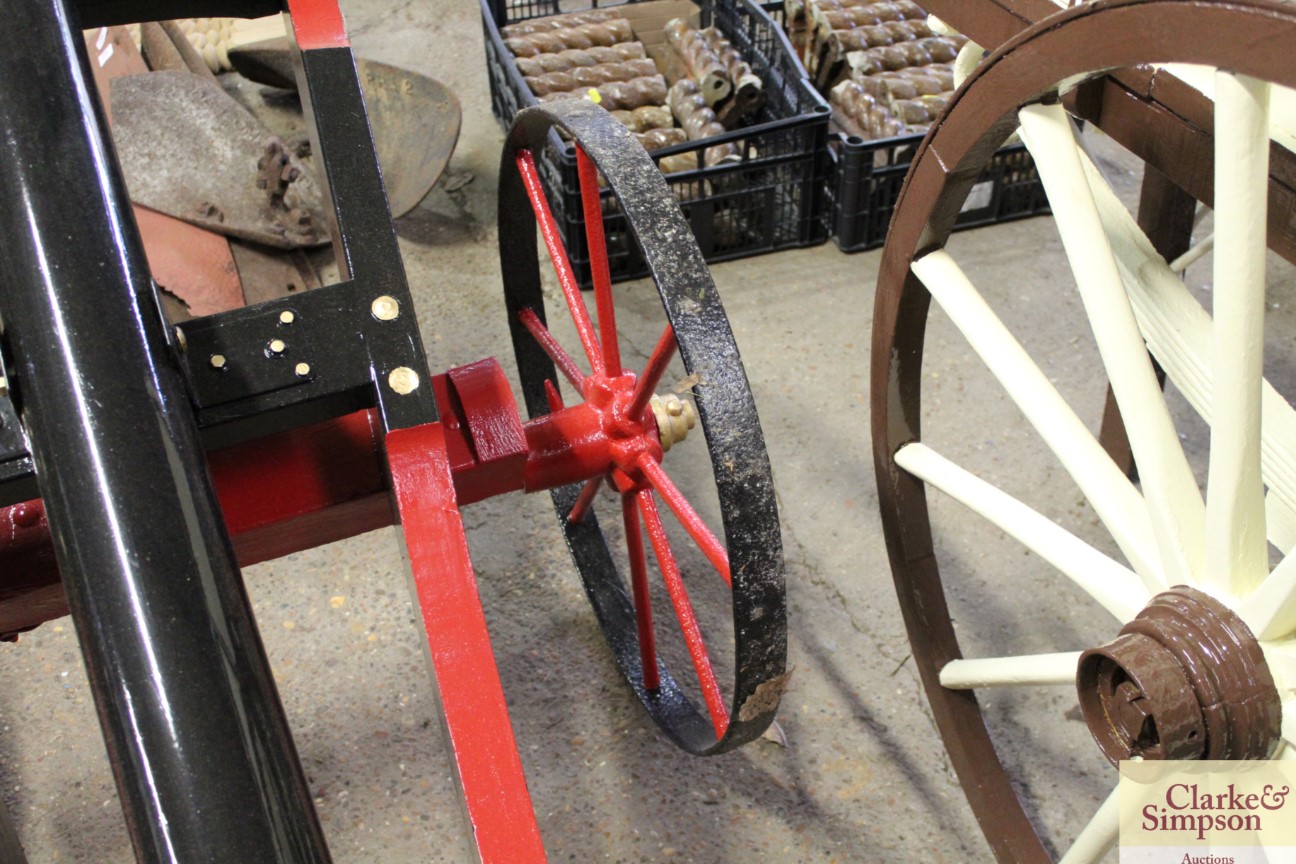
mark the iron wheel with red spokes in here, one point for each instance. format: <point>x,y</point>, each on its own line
<point>747,553</point>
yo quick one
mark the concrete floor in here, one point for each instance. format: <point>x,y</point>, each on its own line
<point>862,775</point>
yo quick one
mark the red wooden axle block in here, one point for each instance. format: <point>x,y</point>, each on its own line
<point>311,486</point>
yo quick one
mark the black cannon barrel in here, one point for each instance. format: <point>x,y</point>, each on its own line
<point>198,739</point>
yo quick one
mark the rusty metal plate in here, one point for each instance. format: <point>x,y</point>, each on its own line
<point>268,274</point>
<point>194,265</point>
<point>415,119</point>
<point>415,123</point>
<point>266,62</point>
<point>189,150</point>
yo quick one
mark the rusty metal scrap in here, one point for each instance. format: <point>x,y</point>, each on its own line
<point>891,58</point>
<point>171,127</point>
<point>836,27</point>
<point>646,118</point>
<point>655,139</point>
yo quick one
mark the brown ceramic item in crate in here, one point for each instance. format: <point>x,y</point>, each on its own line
<point>768,197</point>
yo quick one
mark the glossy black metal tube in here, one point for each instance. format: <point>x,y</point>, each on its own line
<point>198,740</point>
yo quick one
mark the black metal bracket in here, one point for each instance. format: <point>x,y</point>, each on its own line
<point>299,360</point>
<point>17,480</point>
<point>17,477</point>
<point>320,354</point>
<point>364,238</point>
<point>104,13</point>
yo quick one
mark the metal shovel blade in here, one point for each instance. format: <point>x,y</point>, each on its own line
<point>415,123</point>
<point>415,119</point>
<point>189,150</point>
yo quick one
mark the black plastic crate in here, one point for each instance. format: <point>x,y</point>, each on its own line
<point>863,180</point>
<point>772,199</point>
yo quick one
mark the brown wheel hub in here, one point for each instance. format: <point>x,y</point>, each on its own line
<point>1186,679</point>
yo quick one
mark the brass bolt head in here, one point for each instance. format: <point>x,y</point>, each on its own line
<point>302,369</point>
<point>287,317</point>
<point>276,346</point>
<point>385,308</point>
<point>403,380</point>
<point>217,361</point>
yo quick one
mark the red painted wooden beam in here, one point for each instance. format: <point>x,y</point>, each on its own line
<point>319,484</point>
<point>472,700</point>
<point>279,495</point>
<point>317,24</point>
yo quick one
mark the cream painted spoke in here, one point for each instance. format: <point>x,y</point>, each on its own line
<point>1173,500</point>
<point>1280,520</point>
<point>965,63</point>
<point>1028,670</point>
<point>1113,497</point>
<point>1112,585</point>
<point>1178,333</point>
<point>1193,255</point>
<point>1282,100</point>
<point>1270,610</point>
<point>1237,556</point>
<point>1099,836</point>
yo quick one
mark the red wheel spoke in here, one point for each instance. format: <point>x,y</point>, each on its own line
<point>639,584</point>
<point>562,264</point>
<point>653,372</point>
<point>553,397</point>
<point>599,270</point>
<point>712,548</point>
<point>585,500</point>
<point>531,321</point>
<point>684,612</point>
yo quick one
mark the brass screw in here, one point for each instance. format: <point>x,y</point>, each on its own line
<point>302,369</point>
<point>385,308</point>
<point>287,317</point>
<point>218,361</point>
<point>403,380</point>
<point>276,346</point>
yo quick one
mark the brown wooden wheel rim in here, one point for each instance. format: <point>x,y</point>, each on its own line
<point>1249,37</point>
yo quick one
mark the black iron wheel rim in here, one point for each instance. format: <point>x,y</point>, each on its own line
<point>725,407</point>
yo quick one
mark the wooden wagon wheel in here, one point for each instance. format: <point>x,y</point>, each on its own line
<point>1191,566</point>
<point>735,466</point>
